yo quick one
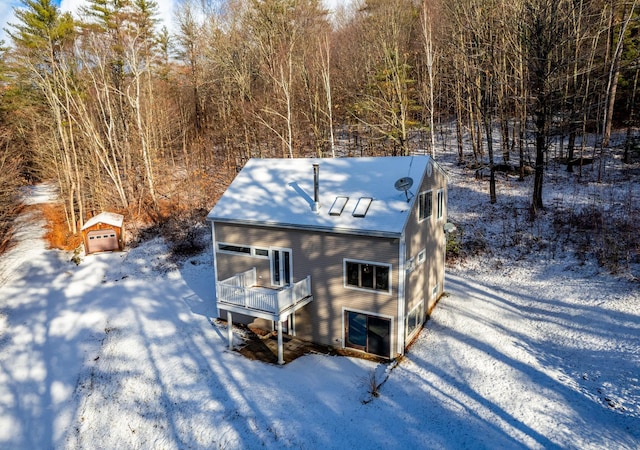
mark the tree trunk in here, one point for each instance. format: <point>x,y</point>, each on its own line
<point>539,168</point>
<point>326,82</point>
<point>570,147</point>
<point>614,74</point>
<point>487,99</point>
<point>429,52</point>
<point>632,106</point>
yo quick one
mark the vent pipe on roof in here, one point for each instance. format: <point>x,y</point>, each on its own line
<point>316,187</point>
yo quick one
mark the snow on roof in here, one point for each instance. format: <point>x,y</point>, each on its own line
<point>280,191</point>
<point>109,218</point>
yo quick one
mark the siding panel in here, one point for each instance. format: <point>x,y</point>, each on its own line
<point>429,235</point>
<point>320,255</point>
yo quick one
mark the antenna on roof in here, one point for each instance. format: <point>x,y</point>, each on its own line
<point>403,185</point>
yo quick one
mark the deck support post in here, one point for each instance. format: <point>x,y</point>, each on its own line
<point>230,330</point>
<point>292,321</point>
<point>280,346</point>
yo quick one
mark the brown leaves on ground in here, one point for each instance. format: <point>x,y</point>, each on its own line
<point>58,235</point>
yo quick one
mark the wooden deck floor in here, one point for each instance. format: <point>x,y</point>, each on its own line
<point>263,346</point>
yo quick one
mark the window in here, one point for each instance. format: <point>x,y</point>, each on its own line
<point>435,289</point>
<point>245,250</point>
<point>368,333</point>
<point>365,275</point>
<point>422,256</point>
<point>440,204</point>
<point>232,248</point>
<point>415,262</point>
<point>356,330</point>
<point>410,265</point>
<point>362,207</point>
<point>338,205</point>
<point>425,204</point>
<point>281,267</point>
<point>415,318</point>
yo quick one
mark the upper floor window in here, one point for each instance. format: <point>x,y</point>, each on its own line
<point>422,256</point>
<point>367,275</point>
<point>246,250</point>
<point>232,248</point>
<point>440,204</point>
<point>424,205</point>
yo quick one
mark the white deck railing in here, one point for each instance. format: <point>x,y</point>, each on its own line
<point>241,290</point>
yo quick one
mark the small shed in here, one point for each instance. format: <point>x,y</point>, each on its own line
<point>103,233</point>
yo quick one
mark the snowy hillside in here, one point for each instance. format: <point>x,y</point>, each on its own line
<point>536,345</point>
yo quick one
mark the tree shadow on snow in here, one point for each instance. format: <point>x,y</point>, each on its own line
<point>537,345</point>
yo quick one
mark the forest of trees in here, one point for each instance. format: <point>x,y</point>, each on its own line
<point>125,116</point>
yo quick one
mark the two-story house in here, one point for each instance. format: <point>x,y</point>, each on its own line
<point>344,252</point>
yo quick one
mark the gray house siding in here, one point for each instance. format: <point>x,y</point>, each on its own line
<point>425,277</point>
<point>322,256</point>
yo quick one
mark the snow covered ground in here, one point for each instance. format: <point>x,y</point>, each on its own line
<point>534,346</point>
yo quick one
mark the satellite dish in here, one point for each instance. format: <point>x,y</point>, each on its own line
<point>403,185</point>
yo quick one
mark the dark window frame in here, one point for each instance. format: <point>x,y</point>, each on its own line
<point>367,332</point>
<point>242,250</point>
<point>440,204</point>
<point>367,275</point>
<point>425,205</point>
<point>234,249</point>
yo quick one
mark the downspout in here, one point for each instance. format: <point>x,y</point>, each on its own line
<point>401,289</point>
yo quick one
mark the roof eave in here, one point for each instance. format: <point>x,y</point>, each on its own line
<point>320,229</point>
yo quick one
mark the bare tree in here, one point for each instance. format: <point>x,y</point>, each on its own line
<point>545,25</point>
<point>279,29</point>
<point>190,45</point>
<point>389,103</point>
<point>11,160</point>
<point>614,67</point>
<point>325,57</point>
<point>430,54</point>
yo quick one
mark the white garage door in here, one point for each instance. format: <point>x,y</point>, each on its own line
<point>102,241</point>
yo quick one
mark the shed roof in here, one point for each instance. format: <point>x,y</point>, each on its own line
<point>109,218</point>
<point>280,191</point>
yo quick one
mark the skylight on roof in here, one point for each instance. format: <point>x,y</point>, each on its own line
<point>362,206</point>
<point>338,205</point>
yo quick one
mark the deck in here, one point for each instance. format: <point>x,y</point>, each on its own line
<point>241,294</point>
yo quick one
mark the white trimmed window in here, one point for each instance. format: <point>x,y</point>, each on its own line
<point>425,200</point>
<point>410,265</point>
<point>440,204</point>
<point>367,275</point>
<point>422,256</point>
<point>244,250</point>
<point>415,319</point>
<point>415,262</point>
